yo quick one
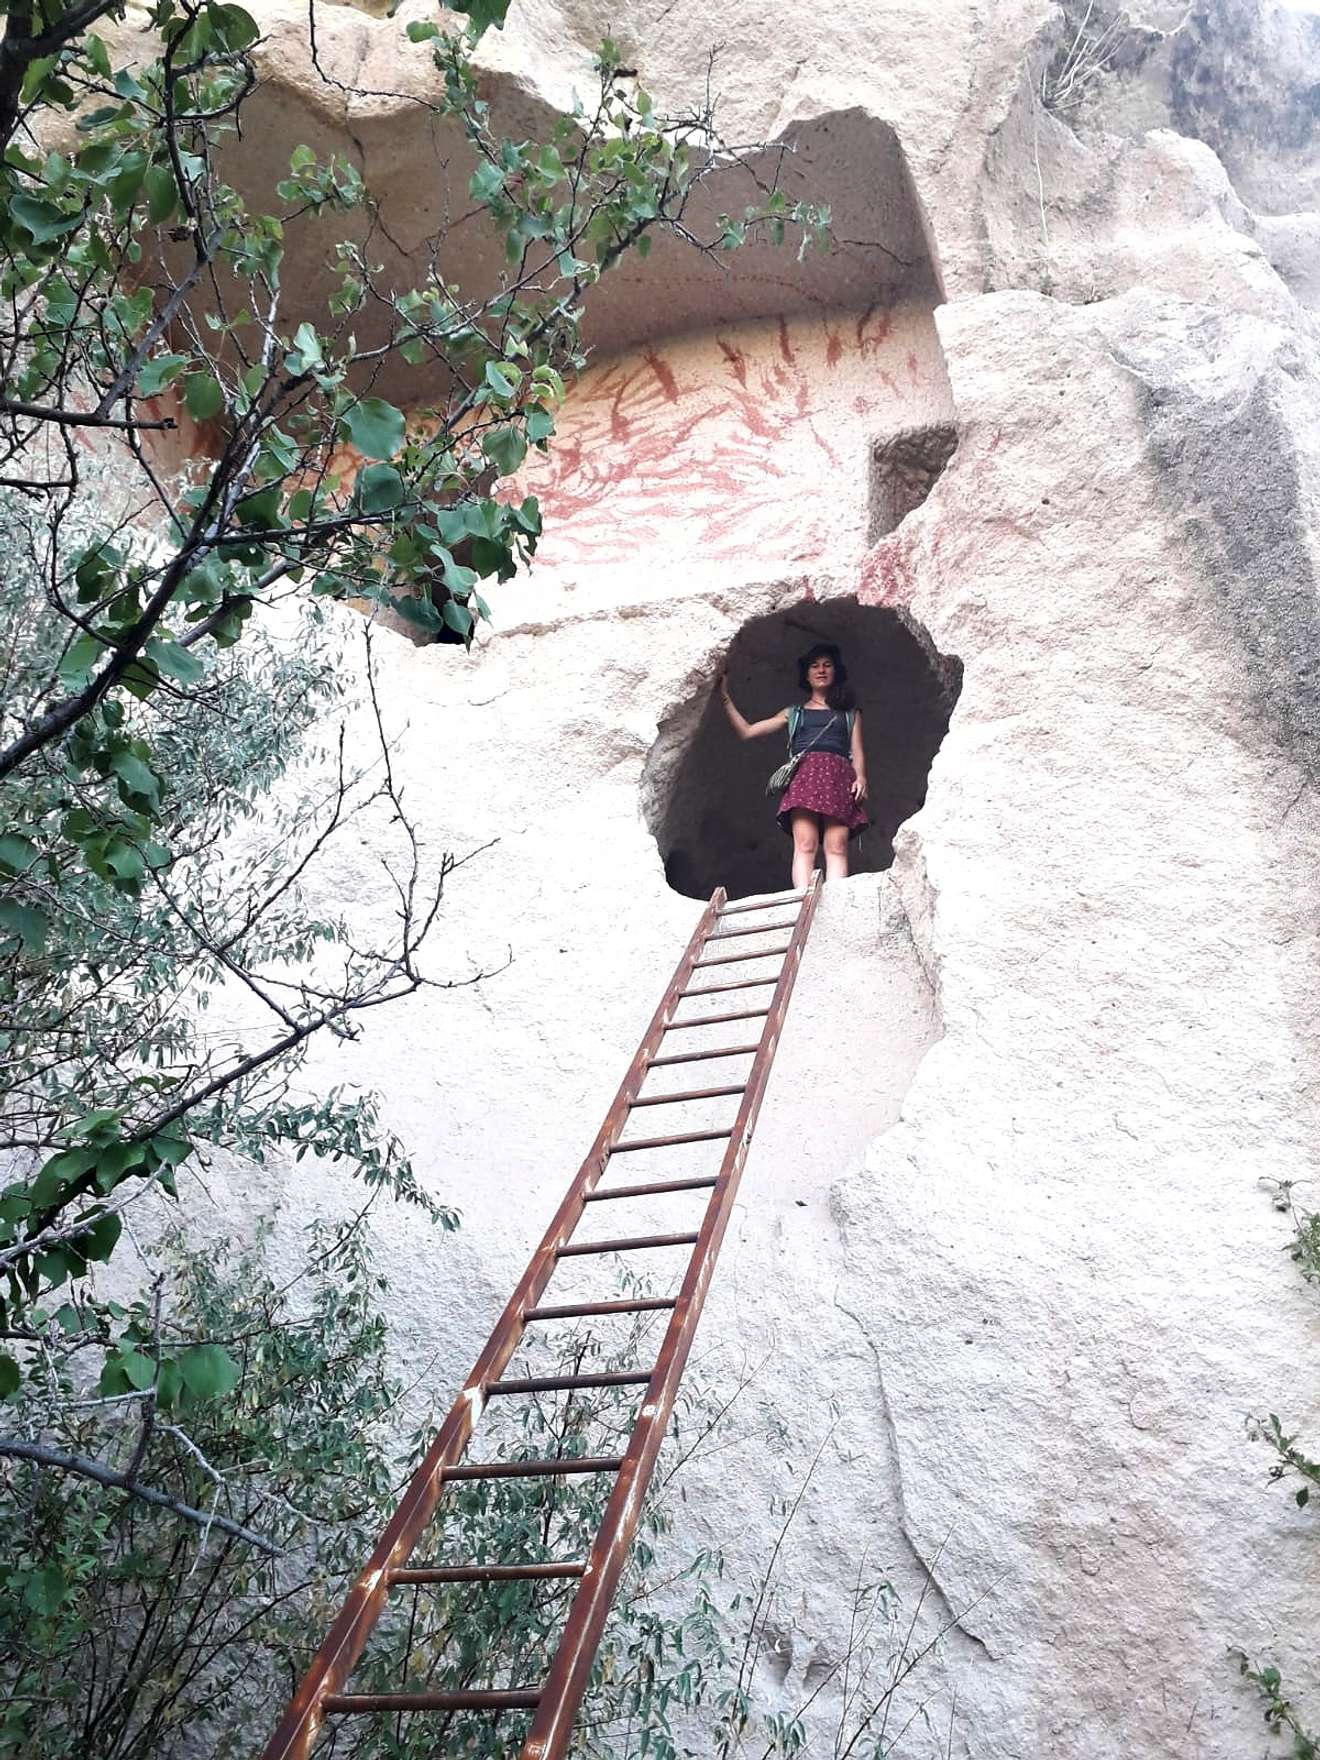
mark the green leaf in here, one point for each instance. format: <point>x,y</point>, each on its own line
<point>139,1371</point>
<point>42,220</point>
<point>306,351</point>
<point>540,425</point>
<point>481,14</point>
<point>422,30</point>
<point>11,1377</point>
<point>101,1239</point>
<point>374,427</point>
<point>99,57</point>
<point>491,557</point>
<point>458,617</point>
<point>136,777</point>
<point>124,860</point>
<point>420,612</point>
<point>123,187</point>
<point>232,28</point>
<point>23,920</point>
<point>162,194</point>
<point>113,1380</point>
<point>79,661</point>
<point>93,1123</point>
<point>171,1148</point>
<point>203,396</point>
<point>505,447</point>
<point>60,1263</point>
<point>115,1161</point>
<point>379,488</point>
<point>169,1384</point>
<point>208,1371</point>
<point>159,373</point>
<point>178,663</point>
<point>301,159</point>
<point>46,1590</point>
<point>141,678</point>
<point>16,853</point>
<point>129,87</point>
<point>230,627</point>
<point>260,511</point>
<point>502,378</point>
<point>486,183</point>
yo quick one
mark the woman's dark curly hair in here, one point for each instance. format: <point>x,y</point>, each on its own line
<point>840,694</point>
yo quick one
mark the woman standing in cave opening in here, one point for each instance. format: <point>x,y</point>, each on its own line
<point>823,800</point>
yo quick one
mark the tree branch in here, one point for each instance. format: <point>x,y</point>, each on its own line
<point>83,1468</point>
<point>72,418</point>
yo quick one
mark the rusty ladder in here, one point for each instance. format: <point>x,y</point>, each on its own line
<point>555,1701</point>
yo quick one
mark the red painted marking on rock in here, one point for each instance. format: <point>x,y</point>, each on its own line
<point>885,577</point>
<point>663,372</point>
<point>870,341</point>
<point>736,358</point>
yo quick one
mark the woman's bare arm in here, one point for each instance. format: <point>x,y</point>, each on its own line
<point>858,758</point>
<point>741,726</point>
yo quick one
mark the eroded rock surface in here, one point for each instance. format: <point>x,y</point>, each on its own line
<point>1006,1211</point>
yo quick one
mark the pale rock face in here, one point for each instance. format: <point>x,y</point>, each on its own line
<point>1005,1213</point>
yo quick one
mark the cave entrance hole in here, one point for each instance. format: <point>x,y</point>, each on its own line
<point>703,791</point>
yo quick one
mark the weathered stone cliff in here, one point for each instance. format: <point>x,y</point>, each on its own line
<point>1003,1255</point>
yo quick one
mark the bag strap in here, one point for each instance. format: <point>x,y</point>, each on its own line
<point>794,719</point>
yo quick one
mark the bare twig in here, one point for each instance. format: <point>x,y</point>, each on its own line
<point>81,1467</point>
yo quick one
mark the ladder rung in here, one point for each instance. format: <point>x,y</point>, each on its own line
<point>543,1469</point>
<point>737,959</point>
<point>738,984</point>
<point>584,1310</point>
<point>759,929</point>
<point>514,1699</point>
<point>714,1020</point>
<point>663,1185</point>
<point>668,1142</point>
<point>776,901</point>
<point>483,1573</point>
<point>690,1094</point>
<point>704,1056</point>
<point>561,1383</point>
<point>628,1244</point>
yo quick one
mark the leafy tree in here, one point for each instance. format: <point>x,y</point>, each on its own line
<point>138,286</point>
<point>1292,1462</point>
<point>123,1626</point>
<point>114,1068</point>
<point>171,686</point>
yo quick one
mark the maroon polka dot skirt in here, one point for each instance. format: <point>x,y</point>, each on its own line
<point>822,784</point>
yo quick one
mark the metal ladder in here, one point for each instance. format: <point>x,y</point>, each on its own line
<point>555,1701</point>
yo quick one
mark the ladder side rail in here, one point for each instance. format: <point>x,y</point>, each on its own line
<point>334,1661</point>
<point>561,1693</point>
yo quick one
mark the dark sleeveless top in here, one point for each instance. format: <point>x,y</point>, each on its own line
<point>834,737</point>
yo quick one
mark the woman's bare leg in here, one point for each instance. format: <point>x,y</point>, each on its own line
<point>836,850</point>
<point>806,841</point>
